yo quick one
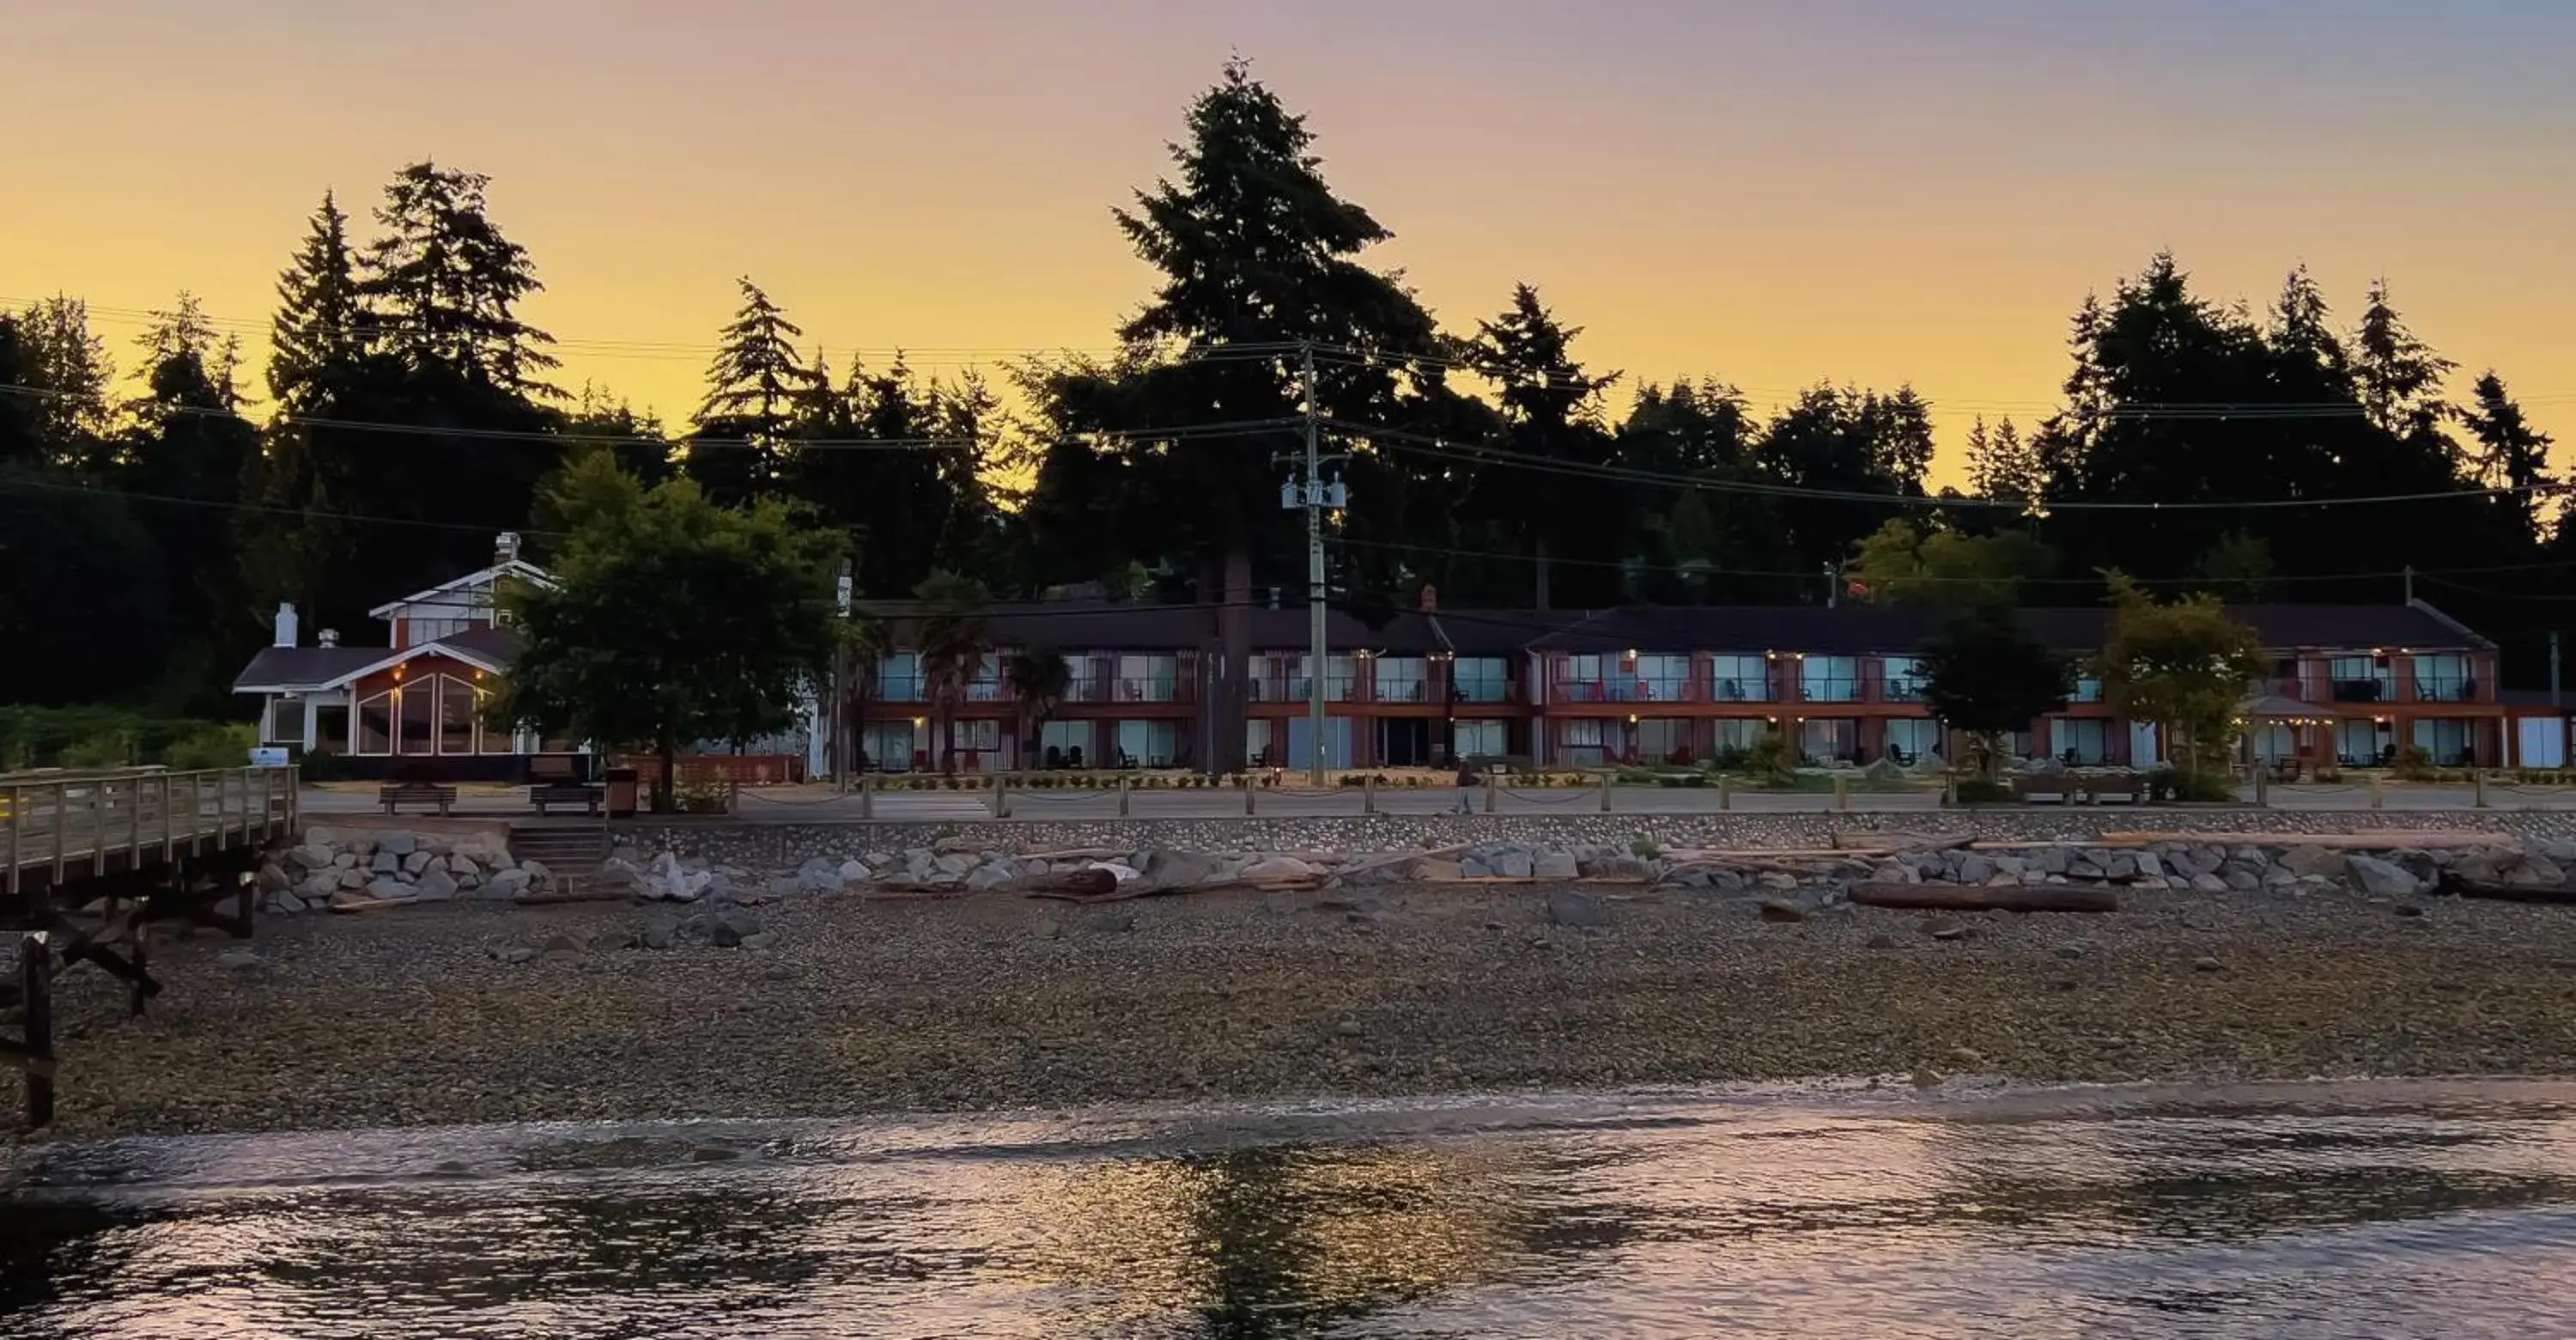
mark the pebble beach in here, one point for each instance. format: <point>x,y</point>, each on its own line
<point>854,1004</point>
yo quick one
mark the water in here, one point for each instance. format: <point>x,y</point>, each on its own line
<point>2357,1210</point>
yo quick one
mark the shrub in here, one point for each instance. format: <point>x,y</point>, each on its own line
<point>210,747</point>
<point>1730,758</point>
<point>2173,785</point>
<point>1983,791</point>
<point>1771,759</point>
<point>1644,849</point>
<point>2414,763</point>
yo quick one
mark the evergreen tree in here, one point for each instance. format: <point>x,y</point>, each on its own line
<point>21,397</point>
<point>2398,376</point>
<point>1696,545</point>
<point>185,455</point>
<point>1844,441</point>
<point>67,369</point>
<point>2511,454</point>
<point>444,285</point>
<point>1257,255</point>
<point>756,391</point>
<point>2001,464</point>
<point>315,336</point>
<point>1551,408</point>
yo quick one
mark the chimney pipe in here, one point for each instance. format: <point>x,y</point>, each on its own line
<point>286,624</point>
<point>330,637</point>
<point>505,549</point>
<point>1430,598</point>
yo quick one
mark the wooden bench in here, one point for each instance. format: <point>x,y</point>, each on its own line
<point>425,793</point>
<point>2058,786</point>
<point>2131,787</point>
<point>1509,765</point>
<point>542,794</point>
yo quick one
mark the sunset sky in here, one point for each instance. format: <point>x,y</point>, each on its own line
<point>1771,193</point>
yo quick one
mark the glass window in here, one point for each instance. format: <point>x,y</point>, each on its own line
<point>1067,744</point>
<point>1259,738</point>
<point>456,702</point>
<point>1663,678</point>
<point>1663,741</point>
<point>283,722</point>
<point>1829,679</point>
<point>2082,741</point>
<point>1147,678</point>
<point>1580,742</point>
<point>2088,689</point>
<point>1402,679</point>
<point>2447,739</point>
<point>2444,679</point>
<point>416,709</point>
<point>1829,739</point>
<point>1147,744</point>
<point>887,745</point>
<point>1911,740</point>
<point>331,727</point>
<point>2363,744</point>
<point>1583,679</point>
<point>376,725</point>
<point>2274,742</point>
<point>1741,679</point>
<point>899,678</point>
<point>2362,679</point>
<point>984,683</point>
<point>1904,679</point>
<point>1473,739</point>
<point>1742,733</point>
<point>1481,679</point>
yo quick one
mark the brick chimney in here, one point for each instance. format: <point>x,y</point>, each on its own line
<point>1430,598</point>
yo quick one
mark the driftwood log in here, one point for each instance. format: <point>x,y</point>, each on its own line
<point>2507,893</point>
<point>1985,898</point>
<point>1077,886</point>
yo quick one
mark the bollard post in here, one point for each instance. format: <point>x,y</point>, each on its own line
<point>2478,786</point>
<point>1001,795</point>
<point>2262,786</point>
<point>1949,790</point>
<point>1122,795</point>
<point>1368,794</point>
<point>1725,792</point>
<point>1605,793</point>
<point>1489,793</point>
<point>1248,790</point>
<point>2378,792</point>
<point>733,796</point>
<point>1842,792</point>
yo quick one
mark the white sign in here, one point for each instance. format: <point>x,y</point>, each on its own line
<point>268,756</point>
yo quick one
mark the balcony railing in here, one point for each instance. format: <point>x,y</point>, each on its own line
<point>1829,690</point>
<point>905,690</point>
<point>1086,691</point>
<point>1903,691</point>
<point>1630,691</point>
<point>2362,691</point>
<point>1148,691</point>
<point>985,691</point>
<point>2446,689</point>
<point>1403,691</point>
<point>1728,689</point>
<point>1485,691</point>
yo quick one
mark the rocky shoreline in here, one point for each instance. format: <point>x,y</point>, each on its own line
<point>1648,969</point>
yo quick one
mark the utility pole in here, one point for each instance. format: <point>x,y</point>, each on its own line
<point>2553,668</point>
<point>842,756</point>
<point>1315,654</point>
<point>1317,497</point>
<point>2410,583</point>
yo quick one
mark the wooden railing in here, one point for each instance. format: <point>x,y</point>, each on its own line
<point>58,826</point>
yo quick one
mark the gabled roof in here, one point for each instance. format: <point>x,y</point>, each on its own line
<point>1864,630</point>
<point>517,567</point>
<point>313,669</point>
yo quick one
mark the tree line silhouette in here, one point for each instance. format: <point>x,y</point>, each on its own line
<point>148,525</point>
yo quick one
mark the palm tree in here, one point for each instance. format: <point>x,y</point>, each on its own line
<point>1040,677</point>
<point>952,650</point>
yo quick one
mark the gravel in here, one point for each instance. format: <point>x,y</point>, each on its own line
<point>420,1015</point>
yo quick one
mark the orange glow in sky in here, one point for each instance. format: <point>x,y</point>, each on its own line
<point>1763,192</point>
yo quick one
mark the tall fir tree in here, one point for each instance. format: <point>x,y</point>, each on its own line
<point>315,336</point>
<point>2511,453</point>
<point>756,392</point>
<point>444,285</point>
<point>1552,413</point>
<point>70,377</point>
<point>2398,376</point>
<point>185,455</point>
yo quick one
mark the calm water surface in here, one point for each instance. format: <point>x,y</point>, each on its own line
<point>2353,1210</point>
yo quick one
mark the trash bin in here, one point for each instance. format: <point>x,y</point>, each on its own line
<point>622,786</point>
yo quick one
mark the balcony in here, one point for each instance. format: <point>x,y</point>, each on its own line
<point>1151,690</point>
<point>2362,691</point>
<point>2446,689</point>
<point>1086,691</point>
<point>904,690</point>
<point>1485,691</point>
<point>1829,690</point>
<point>1733,689</point>
<point>986,691</point>
<point>1902,691</point>
<point>1630,691</point>
<point>1403,691</point>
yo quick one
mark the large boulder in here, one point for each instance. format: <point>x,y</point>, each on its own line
<point>2381,879</point>
<point>1277,868</point>
<point>385,863</point>
<point>2539,872</point>
<point>311,857</point>
<point>392,891</point>
<point>417,862</point>
<point>397,844</point>
<point>1512,863</point>
<point>1181,869</point>
<point>506,884</point>
<point>437,886</point>
<point>2312,859</point>
<point>1566,908</point>
<point>1556,865</point>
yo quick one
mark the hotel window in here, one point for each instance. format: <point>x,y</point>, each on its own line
<point>376,725</point>
<point>1829,739</point>
<point>1479,739</point>
<point>1147,744</point>
<point>1583,679</point>
<point>1829,679</point>
<point>2362,679</point>
<point>1741,734</point>
<point>1067,744</point>
<point>1740,679</point>
<point>888,745</point>
<point>2447,739</point>
<point>2088,689</point>
<point>1402,679</point>
<point>1147,678</point>
<point>2444,679</point>
<point>1910,740</point>
<point>283,722</point>
<point>1580,742</point>
<point>2082,741</point>
<point>899,678</point>
<point>1663,740</point>
<point>1481,679</point>
<point>1663,678</point>
<point>1904,679</point>
<point>984,683</point>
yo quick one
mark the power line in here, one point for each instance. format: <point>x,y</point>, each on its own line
<point>310,513</point>
<point>1425,444</point>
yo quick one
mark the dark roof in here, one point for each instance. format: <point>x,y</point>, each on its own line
<point>1855,630</point>
<point>305,667</point>
<point>313,667</point>
<point>2536,698</point>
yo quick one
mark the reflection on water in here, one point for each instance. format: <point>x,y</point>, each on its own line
<point>2383,1209</point>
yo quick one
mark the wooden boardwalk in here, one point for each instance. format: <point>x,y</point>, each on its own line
<point>60,830</point>
<point>142,846</point>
